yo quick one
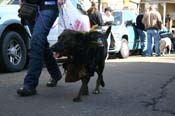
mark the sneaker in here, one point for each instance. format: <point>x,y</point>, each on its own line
<point>26,92</point>
<point>52,83</point>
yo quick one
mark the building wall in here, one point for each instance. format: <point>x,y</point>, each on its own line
<point>114,4</point>
<point>122,4</point>
<point>171,10</point>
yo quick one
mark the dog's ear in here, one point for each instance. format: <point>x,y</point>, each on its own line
<point>68,35</point>
<point>93,36</point>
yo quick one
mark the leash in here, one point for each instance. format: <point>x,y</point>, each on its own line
<point>64,71</point>
<point>45,26</point>
<point>65,14</point>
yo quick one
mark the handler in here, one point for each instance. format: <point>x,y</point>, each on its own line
<point>40,52</point>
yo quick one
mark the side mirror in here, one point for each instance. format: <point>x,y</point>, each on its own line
<point>129,22</point>
<point>114,24</point>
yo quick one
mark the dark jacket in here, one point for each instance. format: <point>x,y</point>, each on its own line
<point>139,23</point>
<point>95,18</point>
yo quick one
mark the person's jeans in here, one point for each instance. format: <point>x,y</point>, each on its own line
<point>40,52</point>
<point>173,44</point>
<point>143,38</point>
<point>153,34</point>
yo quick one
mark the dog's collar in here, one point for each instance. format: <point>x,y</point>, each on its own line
<point>95,43</point>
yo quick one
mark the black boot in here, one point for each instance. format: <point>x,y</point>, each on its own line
<point>52,83</point>
<point>26,92</point>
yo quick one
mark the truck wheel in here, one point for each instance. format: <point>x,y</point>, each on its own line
<point>12,52</point>
<point>124,50</point>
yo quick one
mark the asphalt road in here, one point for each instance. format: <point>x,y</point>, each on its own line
<point>137,86</point>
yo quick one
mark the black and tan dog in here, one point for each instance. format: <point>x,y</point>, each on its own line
<point>86,54</point>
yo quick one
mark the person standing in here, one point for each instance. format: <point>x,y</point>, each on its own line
<point>107,17</point>
<point>108,20</point>
<point>152,21</point>
<point>40,52</point>
<point>173,40</point>
<point>94,15</point>
<point>142,33</point>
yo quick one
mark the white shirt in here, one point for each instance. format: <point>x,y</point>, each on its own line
<point>107,18</point>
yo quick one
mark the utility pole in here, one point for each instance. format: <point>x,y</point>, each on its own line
<point>99,5</point>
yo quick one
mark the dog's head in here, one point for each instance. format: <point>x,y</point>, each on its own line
<point>67,41</point>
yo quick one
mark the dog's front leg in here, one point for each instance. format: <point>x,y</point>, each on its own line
<point>82,89</point>
<point>100,80</point>
<point>169,47</point>
<point>85,91</point>
<point>97,90</point>
<point>164,51</point>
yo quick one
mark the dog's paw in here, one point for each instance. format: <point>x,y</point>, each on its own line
<point>76,99</point>
<point>96,92</point>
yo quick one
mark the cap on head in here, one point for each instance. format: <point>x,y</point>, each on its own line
<point>108,9</point>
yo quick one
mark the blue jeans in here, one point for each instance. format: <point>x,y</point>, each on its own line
<point>143,38</point>
<point>40,52</point>
<point>153,35</point>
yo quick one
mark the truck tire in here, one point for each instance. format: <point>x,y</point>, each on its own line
<point>124,50</point>
<point>13,52</point>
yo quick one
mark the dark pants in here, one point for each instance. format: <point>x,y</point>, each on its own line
<point>40,52</point>
<point>143,38</point>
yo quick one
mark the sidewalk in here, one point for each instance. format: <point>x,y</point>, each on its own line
<point>163,59</point>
